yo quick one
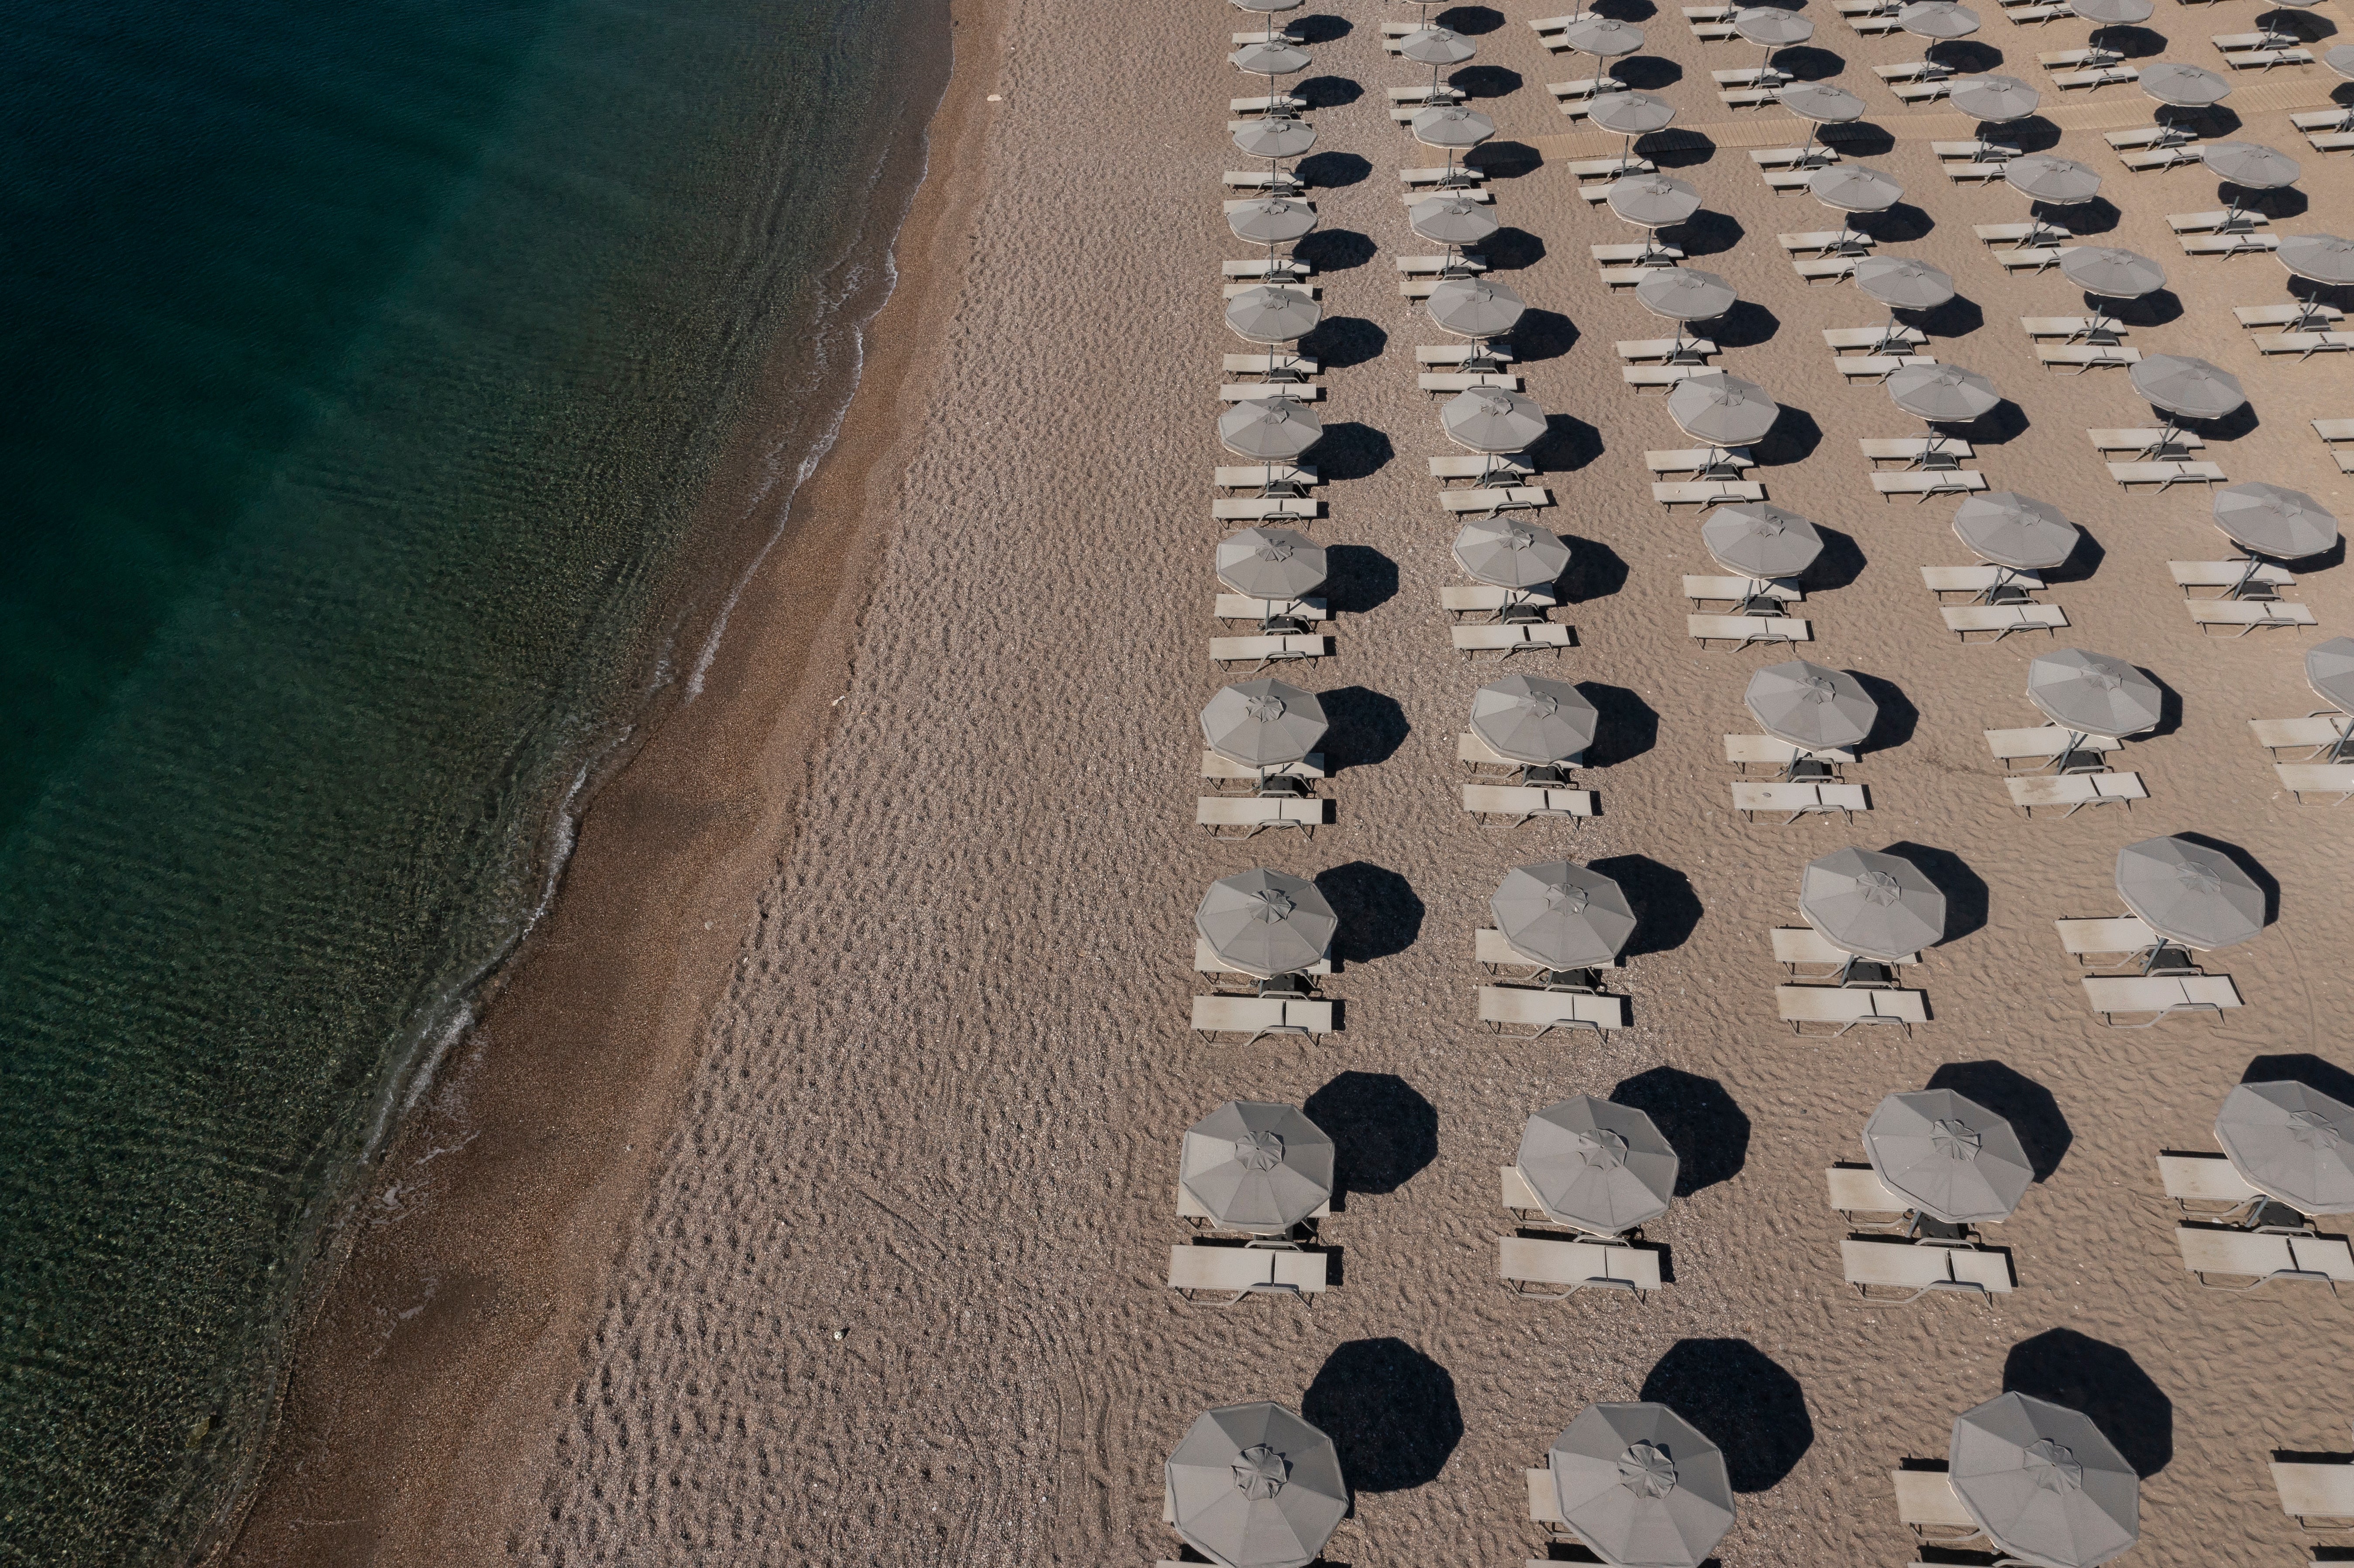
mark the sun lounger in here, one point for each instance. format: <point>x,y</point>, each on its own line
<point>1558,1269</point>
<point>1511,637</point>
<point>1259,475</point>
<point>1695,460</point>
<point>1265,509</point>
<point>2286,316</point>
<point>2312,734</point>
<point>1711,24</point>
<point>1242,606</point>
<point>2303,778</point>
<point>2094,78</point>
<point>1858,1190</point>
<point>1236,1272</point>
<point>2158,158</point>
<point>2074,359</point>
<point>2001,619</point>
<point>1495,499</point>
<point>1663,376</point>
<point>1257,1015</point>
<point>1765,751</point>
<point>2247,614</point>
<point>1251,391</point>
<point>1600,173</point>
<point>2319,1497</point>
<point>1432,266</point>
<point>1314,290</point>
<point>2162,996</point>
<point>1492,952</point>
<point>2265,59</point>
<point>1261,651</point>
<point>1206,961</point>
<point>1586,87</point>
<point>1873,1264</point>
<point>1478,194</point>
<point>1460,173</point>
<point>1216,767</point>
<point>1608,254</point>
<point>1746,97</point>
<point>1848,1006</point>
<point>2227,244</point>
<point>1789,157</point>
<point>1545,1502</point>
<point>2188,575</point>
<point>2211,220</point>
<point>1706,491</point>
<point>1843,340</point>
<point>2333,432</point>
<point>1536,1013</point>
<point>1878,367</point>
<point>2032,259</point>
<point>2074,59</point>
<point>1459,353</point>
<point>1828,268</point>
<point>2306,345</point>
<point>2103,943</point>
<point>1799,799</point>
<point>1477,598</point>
<point>2032,15</point>
<point>2075,790</point>
<point>1927,1504</point>
<point>1422,97</point>
<point>1190,1210</point>
<point>1913,450</point>
<point>1522,803</point>
<point>1637,350</point>
<point>1504,465</point>
<point>2042,743</point>
<point>1245,816</point>
<point>2165,475</point>
<point>2329,141</point>
<point>2208,1179</point>
<point>1926,483</point>
<point>1261,180</point>
<point>2224,1251</point>
<point>2321,119</point>
<point>1797,947</point>
<point>1448,381</point>
<point>1822,241</point>
<point>2064,326</point>
<point>1715,589</point>
<point>1745,630</point>
<point>2015,234</point>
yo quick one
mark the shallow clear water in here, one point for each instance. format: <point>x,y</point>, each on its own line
<point>364,373</point>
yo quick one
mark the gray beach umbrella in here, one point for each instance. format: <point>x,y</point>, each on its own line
<point>2112,12</point>
<point>1601,1167</point>
<point>1507,553</point>
<point>1653,201</point>
<point>1955,1159</point>
<point>1436,47</point>
<point>1606,37</point>
<point>1759,540</point>
<point>1469,307</point>
<point>1257,1165</point>
<point>1271,220</point>
<point>2043,1483</point>
<point>1263,724</point>
<point>1942,393</point>
<point>1631,113</point>
<point>2092,693</point>
<point>1492,420</point>
<point>1265,923</point>
<point>1902,283</point>
<point>1269,60</point>
<point>1534,720</point>
<point>1809,705</point>
<point>2340,60</point>
<point>2182,86</point>
<point>1273,314</point>
<point>2111,274</point>
<point>2016,531</point>
<point>1272,429</point>
<point>1452,125</point>
<point>1854,187</point>
<point>2318,257</point>
<point>1772,26</point>
<point>2062,181</point>
<point>1253,1485</point>
<point>1820,103</point>
<point>1272,564</point>
<point>2250,164</point>
<point>1939,19</point>
<point>1451,220</point>
<point>1640,1485</point>
<point>1995,99</point>
<point>2293,1142</point>
<point>2190,387</point>
<point>2268,520</point>
<point>1274,136</point>
<point>1266,5</point>
<point>1565,917</point>
<point>2329,671</point>
<point>2189,894</point>
<point>1722,409</point>
<point>1873,905</point>
<point>1684,294</point>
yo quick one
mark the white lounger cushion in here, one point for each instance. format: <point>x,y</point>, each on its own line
<point>1255,813</point>
<point>1905,1265</point>
<point>1808,799</point>
<point>2002,619</point>
<point>1508,639</point>
<point>1926,1499</point>
<point>2203,1179</point>
<point>1846,1006</point>
<point>2046,740</point>
<point>1246,1269</point>
<point>1544,1010</point>
<point>1523,801</point>
<point>1858,1190</point>
<point>2162,995</point>
<point>1764,751</point>
<point>2120,934</point>
<point>1745,629</point>
<point>1565,1267</point>
<point>2302,778</point>
<point>2315,1492</point>
<point>1206,961</point>
<point>1257,1015</point>
<point>2074,789</point>
<point>2220,1250</point>
<point>1805,945</point>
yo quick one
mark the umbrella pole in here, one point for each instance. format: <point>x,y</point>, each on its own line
<point>1891,336</point>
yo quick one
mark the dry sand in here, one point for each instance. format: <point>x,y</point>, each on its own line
<point>893,1293</point>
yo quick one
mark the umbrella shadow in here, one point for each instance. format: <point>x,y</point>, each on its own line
<point>1899,224</point>
<point>1999,426</point>
<point>2237,425</point>
<point>1340,342</point>
<point>1504,160</point>
<point>1543,334</point>
<point>1839,566</point>
<point>2169,708</point>
<point>1743,1401</point>
<point>1384,1132</point>
<point>1358,577</point>
<point>2276,204</point>
<point>1746,325</point>
<point>1624,10</point>
<point>1486,81</point>
<point>2156,308</point>
<point>1707,233</point>
<point>1335,250</point>
<point>1676,148</point>
<point>1332,171</point>
<point>2033,133</point>
<point>1625,725</point>
<point>1971,57</point>
<point>1709,1133</point>
<point>1965,890</point>
<point>1647,73</point>
<point>1808,62</point>
<point>2019,1100</point>
<point>1859,139</point>
<point>1351,451</point>
<point>2086,219</point>
<point>1958,317</point>
<point>1512,250</point>
<point>2264,879</point>
<point>1380,912</point>
<point>2083,561</point>
<point>1666,907</point>
<point>1329,92</point>
<point>1367,727</point>
<point>1389,1409</point>
<point>2303,1068</point>
<point>1322,29</point>
<point>1793,439</point>
<point>2103,1384</point>
<point>1897,718</point>
<point>1595,571</point>
<point>2133,43</point>
<point>1568,444</point>
<point>1471,21</point>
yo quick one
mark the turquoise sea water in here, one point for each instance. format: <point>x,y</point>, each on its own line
<point>363,373</point>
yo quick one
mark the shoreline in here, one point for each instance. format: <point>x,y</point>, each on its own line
<point>427,1369</point>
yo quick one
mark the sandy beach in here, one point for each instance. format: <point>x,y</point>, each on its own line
<point>805,1195</point>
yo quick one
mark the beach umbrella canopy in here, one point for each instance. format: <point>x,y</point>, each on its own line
<point>1534,720</point>
<point>1722,409</point>
<point>1995,99</point>
<point>1451,220</point>
<point>2189,894</point>
<point>1631,113</point>
<point>1759,540</point>
<point>2111,274</point>
<point>2182,86</point>
<point>1820,103</point>
<point>2250,164</point>
<point>1271,220</point>
<point>1271,563</point>
<point>1809,705</point>
<point>1684,294</point>
<point>1772,26</point>
<point>1265,923</point>
<point>1902,283</point>
<point>2112,12</point>
<point>1452,125</point>
<point>2016,531</point>
<point>1263,724</point>
<point>1605,36</point>
<point>1257,1166</point>
<point>1940,20</point>
<point>2092,693</point>
<point>1253,1485</point>
<point>2340,60</point>
<point>2062,181</point>
<point>1272,429</point>
<point>1492,420</point>
<point>1943,393</point>
<point>1853,187</point>
<point>1505,553</point>
<point>2318,257</point>
<point>1272,314</point>
<point>1870,903</point>
<point>1601,1167</point>
<point>2295,1143</point>
<point>1955,1159</point>
<point>2043,1483</point>
<point>1469,307</point>
<point>1269,60</point>
<point>2268,520</point>
<point>1640,1485</point>
<point>2187,386</point>
<point>1653,201</point>
<point>1565,917</point>
<point>1436,47</point>
<point>1266,5</point>
<point>1274,136</point>
<point>2329,671</point>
